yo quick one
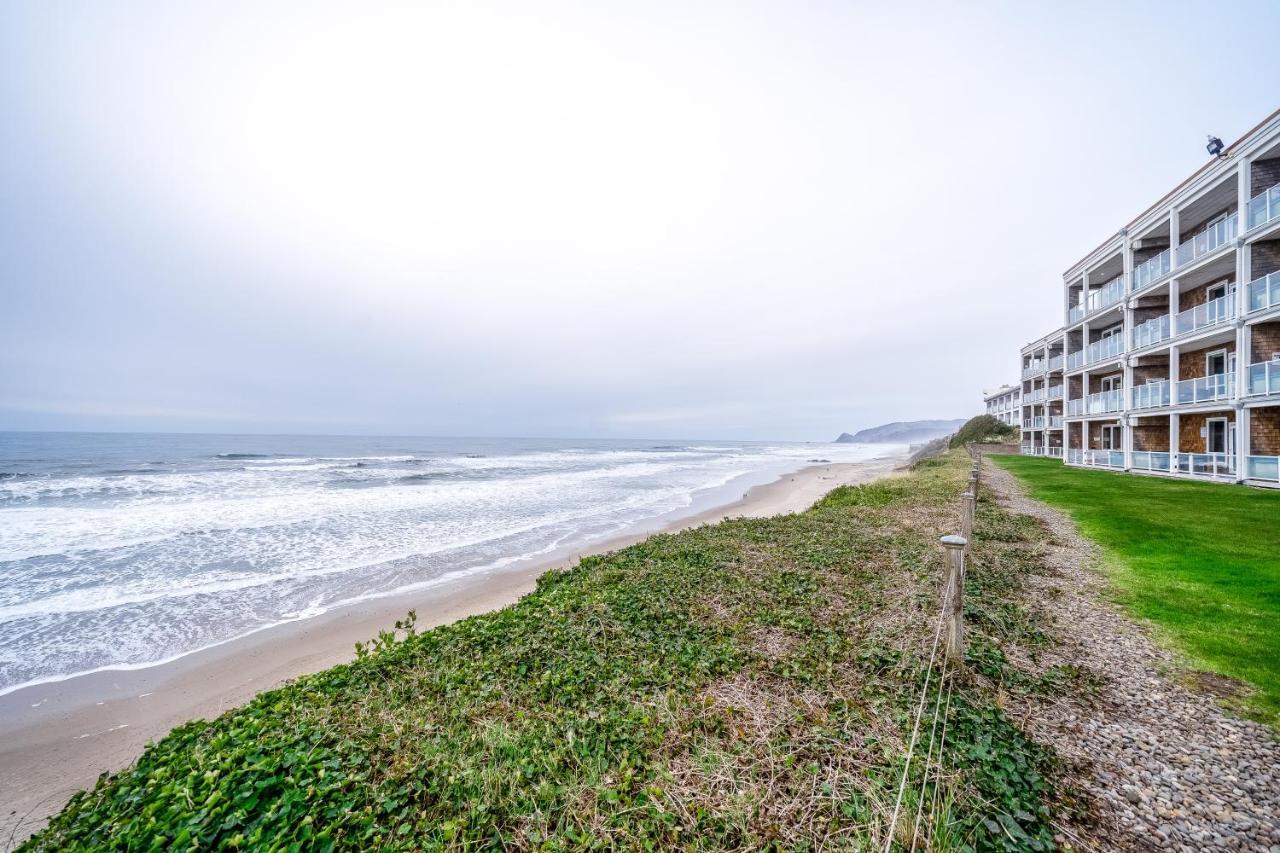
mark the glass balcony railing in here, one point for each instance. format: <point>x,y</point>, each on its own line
<point>1104,401</point>
<point>1075,314</point>
<point>1055,452</point>
<point>1055,422</point>
<point>1108,347</point>
<point>1212,313</point>
<point>1264,207</point>
<point>1075,408</point>
<point>1055,363</point>
<point>1103,458</point>
<point>1265,468</point>
<point>1055,392</point>
<point>1151,332</point>
<point>1034,396</point>
<point>1032,450</point>
<point>1151,395</point>
<point>1149,460</point>
<point>1205,464</point>
<point>1075,359</point>
<point>1264,293</point>
<point>1214,237</point>
<point>1206,389</point>
<point>1033,423</point>
<point>1264,378</point>
<point>1035,368</point>
<point>1152,269</point>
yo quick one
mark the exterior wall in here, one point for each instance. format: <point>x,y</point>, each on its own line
<point>1151,434</point>
<point>1148,312</point>
<point>1264,258</point>
<point>1266,340</point>
<point>1264,431</point>
<point>1191,365</point>
<point>1189,425</point>
<point>1152,371</point>
<point>1263,175</point>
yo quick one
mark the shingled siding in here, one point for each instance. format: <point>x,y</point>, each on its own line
<point>1264,258</point>
<point>1151,434</point>
<point>1265,342</point>
<point>1264,431</point>
<point>1144,373</point>
<point>1263,175</point>
<point>1189,438</point>
<point>1191,365</point>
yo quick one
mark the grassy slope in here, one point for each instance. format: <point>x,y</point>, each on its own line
<point>747,684</point>
<point>1201,560</point>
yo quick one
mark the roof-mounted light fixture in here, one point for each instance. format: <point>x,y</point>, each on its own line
<point>1214,146</point>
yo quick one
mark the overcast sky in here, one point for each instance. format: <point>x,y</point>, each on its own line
<point>734,220</point>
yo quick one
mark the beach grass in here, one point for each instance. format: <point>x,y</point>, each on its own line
<point>745,685</point>
<point>1199,560</point>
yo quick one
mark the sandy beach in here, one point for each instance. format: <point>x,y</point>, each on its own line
<point>57,738</point>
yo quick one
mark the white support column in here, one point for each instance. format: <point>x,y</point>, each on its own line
<point>1173,441</point>
<point>1242,443</point>
<point>1175,233</point>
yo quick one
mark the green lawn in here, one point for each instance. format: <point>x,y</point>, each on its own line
<point>1200,560</point>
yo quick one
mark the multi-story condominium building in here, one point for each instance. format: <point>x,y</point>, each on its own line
<point>1005,404</point>
<point>1172,333</point>
<point>1043,362</point>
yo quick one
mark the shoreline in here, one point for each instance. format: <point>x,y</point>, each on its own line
<point>59,736</point>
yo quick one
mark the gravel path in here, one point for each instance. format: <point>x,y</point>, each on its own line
<point>1167,768</point>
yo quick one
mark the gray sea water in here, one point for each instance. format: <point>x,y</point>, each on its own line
<point>126,550</point>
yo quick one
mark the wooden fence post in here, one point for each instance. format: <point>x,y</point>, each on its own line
<point>968,503</point>
<point>954,616</point>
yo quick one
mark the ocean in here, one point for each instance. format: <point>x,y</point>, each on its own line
<point>127,550</point>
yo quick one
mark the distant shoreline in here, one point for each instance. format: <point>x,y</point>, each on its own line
<point>59,736</point>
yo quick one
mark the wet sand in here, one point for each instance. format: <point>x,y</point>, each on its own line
<point>56,738</point>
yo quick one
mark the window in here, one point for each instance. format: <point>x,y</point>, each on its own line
<point>1219,362</point>
<point>1107,333</point>
<point>1111,437</point>
<point>1219,436</point>
<point>1113,383</point>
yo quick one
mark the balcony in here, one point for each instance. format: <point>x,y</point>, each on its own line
<point>1075,408</point>
<point>1206,389</point>
<point>1212,313</point>
<point>1152,269</point>
<point>1035,368</point>
<point>1264,207</point>
<point>1264,293</point>
<point>1075,359</point>
<point>1030,450</point>
<point>1265,468</point>
<point>1104,401</point>
<point>1107,348</point>
<point>1035,396</point>
<point>1205,464</point>
<point>1033,423</point>
<point>1104,297</point>
<point>1152,395</point>
<point>1055,422</point>
<point>1096,458</point>
<point>1151,332</point>
<point>1210,239</point>
<point>1055,363</point>
<point>1055,452</point>
<point>1264,378</point>
<point>1055,392</point>
<point>1149,460</point>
